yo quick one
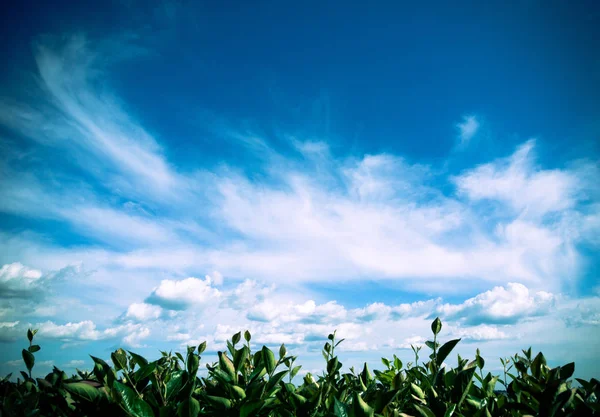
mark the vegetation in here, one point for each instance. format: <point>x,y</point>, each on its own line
<point>245,383</point>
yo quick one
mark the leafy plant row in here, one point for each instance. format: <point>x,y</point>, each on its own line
<point>245,383</point>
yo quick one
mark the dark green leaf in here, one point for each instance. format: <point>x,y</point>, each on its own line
<point>226,365</point>
<point>282,351</point>
<point>33,348</point>
<point>295,371</point>
<point>240,357</point>
<point>361,408</point>
<point>84,391</point>
<point>219,402</point>
<point>192,364</point>
<point>30,335</point>
<point>119,359</point>
<point>249,408</point>
<point>190,407</point>
<point>174,385</point>
<point>134,405</point>
<point>339,408</point>
<point>269,359</point>
<point>274,380</point>
<point>236,338</point>
<point>138,359</point>
<point>28,358</point>
<point>201,348</point>
<point>436,326</point>
<point>567,370</point>
<point>445,351</point>
<point>247,336</point>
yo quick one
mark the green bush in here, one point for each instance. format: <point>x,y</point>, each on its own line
<point>245,383</point>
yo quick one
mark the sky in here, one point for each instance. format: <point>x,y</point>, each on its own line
<point>175,172</point>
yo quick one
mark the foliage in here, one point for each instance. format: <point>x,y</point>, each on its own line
<point>245,383</point>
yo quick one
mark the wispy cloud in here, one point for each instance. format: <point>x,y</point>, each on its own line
<point>467,129</point>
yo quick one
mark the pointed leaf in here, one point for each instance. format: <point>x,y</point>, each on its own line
<point>269,359</point>
<point>134,405</point>
<point>424,411</point>
<point>190,407</point>
<point>445,351</point>
<point>436,326</point>
<point>339,408</point>
<point>28,358</point>
<point>84,391</point>
<point>361,408</point>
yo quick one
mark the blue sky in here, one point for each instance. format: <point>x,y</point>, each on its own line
<point>174,172</point>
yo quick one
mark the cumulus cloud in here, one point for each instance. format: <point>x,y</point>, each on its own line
<point>500,305</point>
<point>143,312</point>
<point>19,280</point>
<point>187,293</point>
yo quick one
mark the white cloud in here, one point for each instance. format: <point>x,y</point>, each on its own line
<point>190,292</point>
<point>467,129</point>
<point>143,312</point>
<point>516,182</point>
<point>86,330</point>
<point>17,279</point>
<point>480,333</point>
<point>500,305</point>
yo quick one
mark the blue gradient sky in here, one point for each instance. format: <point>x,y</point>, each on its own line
<point>172,172</point>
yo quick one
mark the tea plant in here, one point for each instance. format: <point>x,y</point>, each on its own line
<point>245,383</point>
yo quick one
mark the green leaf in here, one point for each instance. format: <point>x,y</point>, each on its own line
<point>295,371</point>
<point>84,391</point>
<point>480,361</point>
<point>174,385</point>
<point>144,372</point>
<point>445,351</point>
<point>30,335</point>
<point>274,380</point>
<point>192,364</point>
<point>226,365</point>
<point>249,408</point>
<point>339,408</point>
<point>33,348</point>
<point>219,402</point>
<point>436,326</point>
<point>239,392</point>
<point>28,358</point>
<point>138,359</point>
<point>240,357</point>
<point>134,405</point>
<point>567,370</point>
<point>450,410</point>
<point>282,351</point>
<point>424,411</point>
<point>361,408</point>
<point>247,336</point>
<point>119,359</point>
<point>417,390</point>
<point>201,347</point>
<point>190,407</point>
<point>269,359</point>
<point>236,338</point>
<point>397,363</point>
